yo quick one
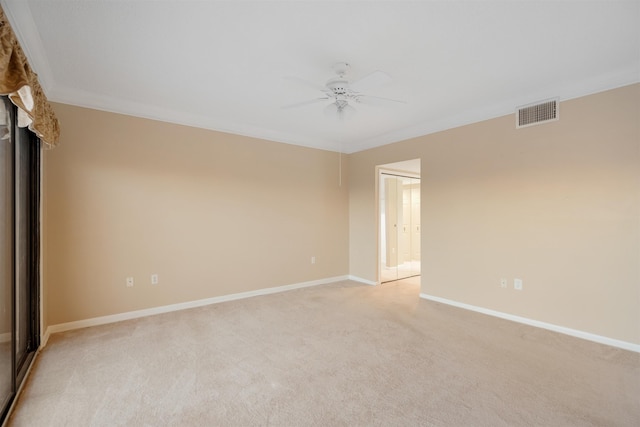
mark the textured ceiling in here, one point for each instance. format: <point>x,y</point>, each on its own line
<point>224,65</point>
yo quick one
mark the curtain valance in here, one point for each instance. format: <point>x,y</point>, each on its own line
<point>20,83</point>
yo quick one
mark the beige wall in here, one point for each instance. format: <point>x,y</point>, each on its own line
<point>210,213</point>
<point>557,205</point>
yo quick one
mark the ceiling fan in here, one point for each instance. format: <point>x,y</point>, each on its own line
<point>342,93</point>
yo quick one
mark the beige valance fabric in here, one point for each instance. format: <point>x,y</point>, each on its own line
<point>20,83</point>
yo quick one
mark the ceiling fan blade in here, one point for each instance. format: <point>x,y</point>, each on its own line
<point>306,83</point>
<point>303,103</point>
<point>370,81</point>
<point>376,100</point>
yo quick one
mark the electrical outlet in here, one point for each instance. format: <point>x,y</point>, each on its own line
<point>313,260</point>
<point>129,282</point>
<point>504,283</point>
<point>154,279</point>
<point>517,284</point>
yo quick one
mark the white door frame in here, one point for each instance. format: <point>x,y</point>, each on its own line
<point>389,170</point>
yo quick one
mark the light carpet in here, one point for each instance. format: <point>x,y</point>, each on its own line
<point>330,355</point>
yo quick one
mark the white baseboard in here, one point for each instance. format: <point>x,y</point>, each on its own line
<point>551,327</point>
<point>103,320</point>
<point>361,280</point>
<point>44,337</point>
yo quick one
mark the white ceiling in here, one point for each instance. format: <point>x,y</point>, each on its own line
<point>223,64</point>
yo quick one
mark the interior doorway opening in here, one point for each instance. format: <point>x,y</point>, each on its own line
<point>399,220</point>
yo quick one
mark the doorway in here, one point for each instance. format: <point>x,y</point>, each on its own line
<point>399,220</point>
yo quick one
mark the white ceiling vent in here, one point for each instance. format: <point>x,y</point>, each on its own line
<point>535,114</point>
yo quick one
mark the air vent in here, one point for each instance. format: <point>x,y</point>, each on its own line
<point>535,114</point>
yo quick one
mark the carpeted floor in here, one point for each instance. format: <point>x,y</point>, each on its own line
<point>331,355</point>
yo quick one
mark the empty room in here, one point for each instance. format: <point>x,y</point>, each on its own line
<point>319,213</point>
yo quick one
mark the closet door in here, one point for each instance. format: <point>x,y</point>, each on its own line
<point>409,227</point>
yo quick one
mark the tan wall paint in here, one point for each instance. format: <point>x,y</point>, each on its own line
<point>211,213</point>
<point>557,205</point>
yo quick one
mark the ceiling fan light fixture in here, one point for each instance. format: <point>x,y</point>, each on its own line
<point>346,112</point>
<point>340,109</point>
<point>331,110</point>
